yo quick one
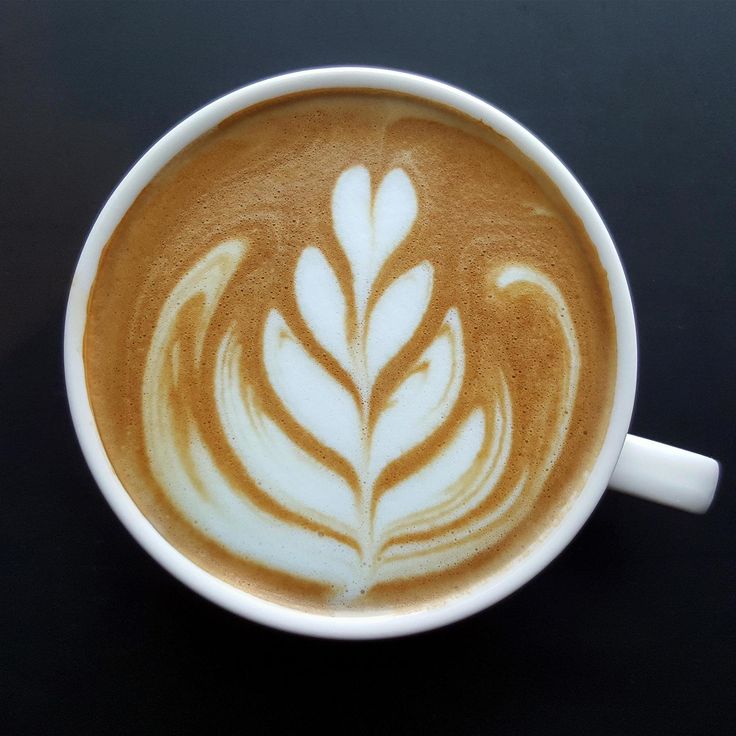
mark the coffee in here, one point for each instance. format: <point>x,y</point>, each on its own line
<point>351,350</point>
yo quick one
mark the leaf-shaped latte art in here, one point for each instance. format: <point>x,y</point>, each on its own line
<point>456,481</point>
<point>396,316</point>
<point>428,488</point>
<point>322,304</point>
<point>369,232</point>
<point>394,212</point>
<point>424,399</point>
<point>342,523</point>
<point>352,218</point>
<point>271,458</point>
<point>311,395</point>
<point>184,466</point>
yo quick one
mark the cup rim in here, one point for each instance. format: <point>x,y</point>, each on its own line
<point>353,625</point>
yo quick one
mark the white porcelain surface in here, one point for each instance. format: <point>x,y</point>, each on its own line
<point>697,490</point>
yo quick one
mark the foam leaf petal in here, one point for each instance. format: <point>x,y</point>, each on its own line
<point>322,304</point>
<point>318,402</point>
<point>396,316</point>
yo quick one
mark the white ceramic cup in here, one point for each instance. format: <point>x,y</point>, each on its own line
<point>626,463</point>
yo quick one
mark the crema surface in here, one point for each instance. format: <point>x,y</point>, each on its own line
<point>351,350</point>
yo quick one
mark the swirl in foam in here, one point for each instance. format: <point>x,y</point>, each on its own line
<point>350,350</point>
<point>366,530</point>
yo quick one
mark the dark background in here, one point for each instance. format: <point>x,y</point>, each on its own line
<point>630,631</point>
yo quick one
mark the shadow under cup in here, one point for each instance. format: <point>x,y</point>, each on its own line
<point>351,624</point>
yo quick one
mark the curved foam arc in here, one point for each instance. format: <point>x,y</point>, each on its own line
<point>396,316</point>
<point>297,378</point>
<point>292,477</point>
<point>423,401</point>
<point>369,232</point>
<point>488,471</point>
<point>529,277</point>
<point>241,527</point>
<point>322,305</point>
<point>184,467</point>
<point>415,558</point>
<point>524,275</point>
<point>427,488</point>
<point>455,482</point>
<point>445,550</point>
<point>208,279</point>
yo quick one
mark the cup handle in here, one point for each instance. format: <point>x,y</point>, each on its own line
<point>665,474</point>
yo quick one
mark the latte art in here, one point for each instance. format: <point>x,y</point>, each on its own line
<point>350,534</point>
<point>356,396</point>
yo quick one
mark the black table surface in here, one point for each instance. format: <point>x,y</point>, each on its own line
<point>630,631</point>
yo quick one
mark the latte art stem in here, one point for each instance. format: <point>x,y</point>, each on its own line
<point>366,500</point>
<point>365,488</point>
<point>384,225</point>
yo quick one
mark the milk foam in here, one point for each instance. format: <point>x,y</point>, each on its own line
<point>344,524</point>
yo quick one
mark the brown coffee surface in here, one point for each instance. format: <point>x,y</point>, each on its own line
<point>517,292</point>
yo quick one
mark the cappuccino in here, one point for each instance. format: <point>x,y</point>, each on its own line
<point>351,350</point>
